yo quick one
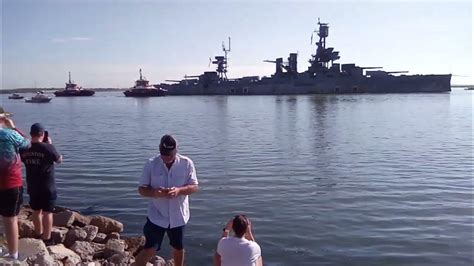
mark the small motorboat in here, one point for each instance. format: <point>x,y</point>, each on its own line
<point>72,89</point>
<point>15,96</point>
<point>40,97</point>
<point>142,88</point>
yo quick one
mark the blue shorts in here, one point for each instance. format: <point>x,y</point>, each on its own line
<point>154,235</point>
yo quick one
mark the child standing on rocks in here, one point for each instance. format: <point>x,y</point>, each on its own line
<point>39,160</point>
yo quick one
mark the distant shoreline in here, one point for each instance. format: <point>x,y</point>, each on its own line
<point>31,90</point>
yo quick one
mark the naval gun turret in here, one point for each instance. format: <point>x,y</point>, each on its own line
<point>290,67</point>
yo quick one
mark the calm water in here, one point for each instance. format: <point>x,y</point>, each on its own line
<point>327,180</point>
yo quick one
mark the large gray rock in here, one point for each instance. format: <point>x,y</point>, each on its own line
<point>121,259</point>
<point>29,247</point>
<point>106,225</point>
<point>7,261</point>
<point>26,229</point>
<point>114,246</point>
<point>84,250</point>
<point>71,261</point>
<point>91,231</point>
<point>92,263</point>
<point>100,238</point>
<point>97,246</point>
<point>113,235</point>
<point>73,235</point>
<point>58,234</point>
<point>63,219</point>
<point>25,213</point>
<point>59,209</point>
<point>81,220</point>
<point>134,244</point>
<point>44,260</point>
<point>98,250</point>
<point>60,252</point>
<point>158,261</point>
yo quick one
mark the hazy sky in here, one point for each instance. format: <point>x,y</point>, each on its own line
<point>104,43</point>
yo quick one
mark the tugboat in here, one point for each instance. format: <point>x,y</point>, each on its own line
<point>73,90</point>
<point>142,88</point>
<point>40,97</point>
<point>15,96</point>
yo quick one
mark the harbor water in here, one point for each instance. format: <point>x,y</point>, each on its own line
<point>356,179</point>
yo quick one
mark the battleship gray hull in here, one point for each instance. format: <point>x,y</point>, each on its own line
<point>322,85</point>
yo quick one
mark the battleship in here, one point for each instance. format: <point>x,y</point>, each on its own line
<point>323,76</point>
<point>72,90</point>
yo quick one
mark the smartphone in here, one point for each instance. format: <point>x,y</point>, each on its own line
<point>46,136</point>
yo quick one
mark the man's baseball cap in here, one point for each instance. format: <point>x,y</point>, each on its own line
<point>167,145</point>
<point>36,129</point>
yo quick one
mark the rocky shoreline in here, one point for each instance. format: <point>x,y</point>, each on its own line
<point>79,240</point>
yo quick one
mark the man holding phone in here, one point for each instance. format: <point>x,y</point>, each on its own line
<point>39,160</point>
<point>167,180</point>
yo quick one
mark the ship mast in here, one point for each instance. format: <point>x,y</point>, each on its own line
<point>320,61</point>
<point>222,63</point>
<point>70,77</point>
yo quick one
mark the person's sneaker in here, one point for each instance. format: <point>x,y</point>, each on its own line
<point>4,254</point>
<point>7,256</point>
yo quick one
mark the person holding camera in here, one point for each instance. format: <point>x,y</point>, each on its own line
<point>167,180</point>
<point>11,184</point>
<point>240,249</point>
<point>39,160</point>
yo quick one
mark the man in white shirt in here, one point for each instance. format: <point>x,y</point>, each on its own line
<point>240,249</point>
<point>167,180</point>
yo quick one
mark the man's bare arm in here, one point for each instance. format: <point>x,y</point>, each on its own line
<point>188,189</point>
<point>217,259</point>
<point>183,191</point>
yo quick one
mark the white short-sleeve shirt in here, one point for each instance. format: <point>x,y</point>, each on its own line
<point>236,251</point>
<point>166,212</point>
